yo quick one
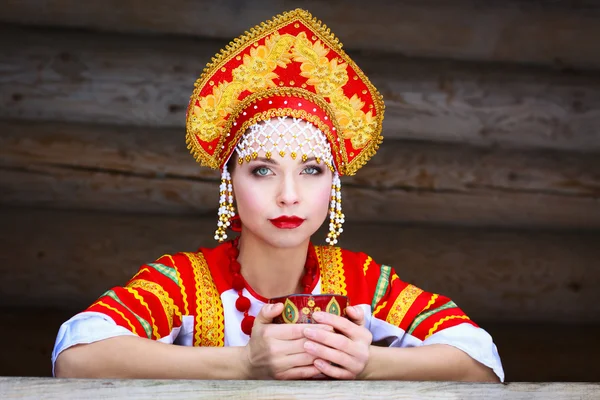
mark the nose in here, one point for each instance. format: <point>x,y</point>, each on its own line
<point>288,192</point>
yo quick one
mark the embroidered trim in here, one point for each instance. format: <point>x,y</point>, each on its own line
<point>431,302</point>
<point>403,302</point>
<point>145,324</point>
<point>152,328</point>
<point>169,307</point>
<point>366,266</point>
<point>168,272</point>
<point>140,272</point>
<point>423,316</point>
<point>103,304</point>
<point>382,284</point>
<point>186,306</point>
<point>382,306</point>
<point>437,324</point>
<point>333,280</point>
<point>210,325</point>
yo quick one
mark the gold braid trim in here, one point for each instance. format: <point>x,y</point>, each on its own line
<point>437,324</point>
<point>380,307</point>
<point>333,280</point>
<point>169,307</point>
<point>181,287</point>
<point>366,266</point>
<point>433,299</point>
<point>403,302</point>
<point>103,304</point>
<point>136,294</point>
<point>210,324</point>
<point>140,272</point>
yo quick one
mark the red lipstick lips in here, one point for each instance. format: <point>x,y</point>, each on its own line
<point>285,222</point>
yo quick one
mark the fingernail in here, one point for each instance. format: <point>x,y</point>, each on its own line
<point>310,346</point>
<point>319,316</point>
<point>309,333</point>
<point>319,363</point>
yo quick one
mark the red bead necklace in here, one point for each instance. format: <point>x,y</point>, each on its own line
<point>243,303</point>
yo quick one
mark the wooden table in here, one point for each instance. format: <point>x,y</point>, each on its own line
<point>49,388</point>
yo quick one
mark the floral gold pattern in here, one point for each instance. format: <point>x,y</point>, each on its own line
<point>293,56</point>
<point>210,325</point>
<point>169,307</point>
<point>403,302</point>
<point>299,309</point>
<point>333,280</point>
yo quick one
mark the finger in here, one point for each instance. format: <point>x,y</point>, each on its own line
<point>333,371</point>
<point>284,348</point>
<point>268,312</point>
<point>334,355</point>
<point>308,372</point>
<point>293,331</point>
<point>343,325</point>
<point>330,339</point>
<point>356,314</point>
<point>300,359</point>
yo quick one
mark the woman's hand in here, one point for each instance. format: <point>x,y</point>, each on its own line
<point>342,354</point>
<point>277,351</point>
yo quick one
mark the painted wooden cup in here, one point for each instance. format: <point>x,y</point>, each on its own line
<point>298,308</point>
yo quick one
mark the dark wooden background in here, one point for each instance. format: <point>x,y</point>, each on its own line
<point>486,189</point>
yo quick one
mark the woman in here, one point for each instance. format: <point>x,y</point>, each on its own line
<point>283,112</point>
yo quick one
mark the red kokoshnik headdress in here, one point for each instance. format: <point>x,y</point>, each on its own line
<point>291,66</point>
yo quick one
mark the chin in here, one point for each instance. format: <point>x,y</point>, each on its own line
<point>287,242</point>
<point>285,238</point>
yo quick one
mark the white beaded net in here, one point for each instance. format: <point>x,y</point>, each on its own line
<point>283,136</point>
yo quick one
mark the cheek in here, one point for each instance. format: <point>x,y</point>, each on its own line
<point>322,197</point>
<point>248,197</point>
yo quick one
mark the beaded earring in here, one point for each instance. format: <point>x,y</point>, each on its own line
<point>226,210</point>
<point>336,217</point>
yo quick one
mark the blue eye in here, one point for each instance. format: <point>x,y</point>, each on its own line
<point>261,171</point>
<point>312,170</point>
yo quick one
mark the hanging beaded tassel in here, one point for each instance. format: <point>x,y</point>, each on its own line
<point>226,210</point>
<point>336,218</point>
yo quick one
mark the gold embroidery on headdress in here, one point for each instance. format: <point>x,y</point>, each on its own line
<point>212,132</point>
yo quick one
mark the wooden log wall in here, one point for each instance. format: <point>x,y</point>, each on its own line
<point>486,189</point>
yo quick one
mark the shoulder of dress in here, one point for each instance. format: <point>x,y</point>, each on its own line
<point>184,257</point>
<point>350,261</point>
<point>349,255</point>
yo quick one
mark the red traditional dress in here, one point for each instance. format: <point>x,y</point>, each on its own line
<point>289,67</point>
<point>188,299</point>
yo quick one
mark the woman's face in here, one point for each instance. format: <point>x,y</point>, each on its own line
<point>282,201</point>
